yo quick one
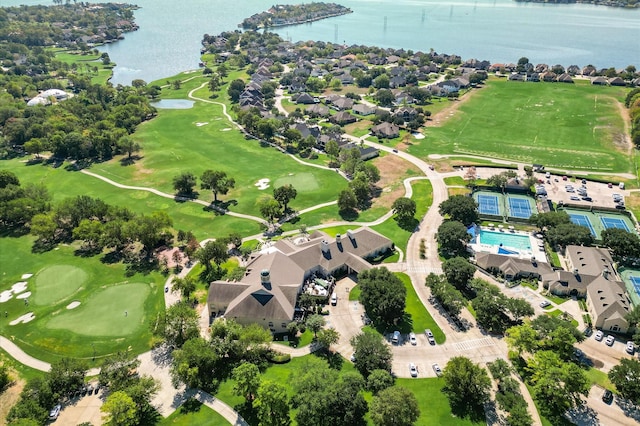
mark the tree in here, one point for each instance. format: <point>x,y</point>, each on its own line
<point>315,323</point>
<point>522,338</point>
<point>404,208</point>
<point>272,404</point>
<point>184,183</point>
<point>549,219</point>
<point>347,200</point>
<point>214,82</point>
<point>65,374</point>
<point>215,251</point>
<point>466,386</point>
<point>269,208</point>
<point>453,237</point>
<point>217,181</point>
<point>461,208</point>
<point>181,324</point>
<point>519,308</point>
<point>284,194</point>
<point>569,234</point>
<point>626,378</point>
<point>247,381</point>
<point>186,285</point>
<point>128,146</point>
<point>236,87</point>
<point>458,272</point>
<point>379,380</point>
<point>383,295</point>
<point>624,245</point>
<point>120,410</point>
<point>371,353</point>
<point>4,377</point>
<point>500,180</point>
<point>328,337</point>
<point>332,149</point>
<point>8,178</point>
<point>90,232</point>
<point>118,371</point>
<point>384,97</point>
<point>394,406</point>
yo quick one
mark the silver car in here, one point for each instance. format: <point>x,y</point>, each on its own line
<point>437,369</point>
<point>413,370</point>
<point>412,339</point>
<point>599,335</point>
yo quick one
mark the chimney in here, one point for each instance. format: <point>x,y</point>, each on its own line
<point>265,279</point>
<point>350,234</point>
<point>605,272</point>
<point>338,238</point>
<point>576,272</point>
<point>324,245</point>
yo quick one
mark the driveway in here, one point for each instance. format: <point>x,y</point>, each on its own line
<point>345,317</point>
<point>597,412</point>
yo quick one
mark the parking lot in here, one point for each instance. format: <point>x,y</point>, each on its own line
<point>600,193</point>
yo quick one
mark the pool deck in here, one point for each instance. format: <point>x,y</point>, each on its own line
<point>537,246</point>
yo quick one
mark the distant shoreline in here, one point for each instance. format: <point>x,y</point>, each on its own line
<point>286,15</point>
<point>305,21</point>
<point>608,3</point>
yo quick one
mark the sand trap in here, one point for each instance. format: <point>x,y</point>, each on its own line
<point>19,287</point>
<point>201,124</point>
<point>418,135</point>
<point>23,295</point>
<point>23,319</point>
<point>5,296</point>
<point>226,129</point>
<point>25,276</point>
<point>262,184</point>
<point>73,304</point>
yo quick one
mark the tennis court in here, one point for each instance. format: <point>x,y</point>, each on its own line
<point>488,204</point>
<point>614,222</point>
<point>519,208</point>
<point>635,280</point>
<point>631,278</point>
<point>582,220</point>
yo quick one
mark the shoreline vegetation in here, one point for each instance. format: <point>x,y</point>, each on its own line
<point>284,15</point>
<point>627,4</point>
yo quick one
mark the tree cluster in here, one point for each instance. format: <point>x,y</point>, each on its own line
<point>19,203</point>
<point>560,231</point>
<point>632,101</point>
<point>383,295</point>
<point>624,245</point>
<point>467,387</point>
<point>362,186</point>
<point>508,395</point>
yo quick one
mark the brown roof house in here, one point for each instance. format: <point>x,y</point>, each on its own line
<point>511,268</point>
<point>386,130</point>
<point>268,292</point>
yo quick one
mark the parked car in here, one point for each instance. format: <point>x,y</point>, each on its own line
<point>610,185</point>
<point>437,369</point>
<point>545,303</point>
<point>610,340</point>
<point>412,339</point>
<point>599,335</point>
<point>353,358</point>
<point>584,181</point>
<point>395,150</point>
<point>430,337</point>
<point>630,348</point>
<point>607,396</point>
<point>574,198</point>
<point>578,353</point>
<point>587,198</point>
<point>55,412</point>
<point>396,338</point>
<point>413,370</point>
<point>587,332</point>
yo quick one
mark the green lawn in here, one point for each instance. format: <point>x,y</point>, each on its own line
<point>63,184</point>
<point>455,181</point>
<point>104,293</point>
<point>86,65</point>
<point>559,125</point>
<point>433,404</point>
<point>417,318</point>
<point>194,413</point>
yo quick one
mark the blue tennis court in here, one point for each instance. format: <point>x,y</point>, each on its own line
<point>636,283</point>
<point>614,222</point>
<point>488,204</point>
<point>582,220</point>
<point>519,208</point>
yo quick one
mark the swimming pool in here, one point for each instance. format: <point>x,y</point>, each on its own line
<point>505,239</point>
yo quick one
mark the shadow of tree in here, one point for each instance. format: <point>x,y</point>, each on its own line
<point>127,161</point>
<point>349,215</point>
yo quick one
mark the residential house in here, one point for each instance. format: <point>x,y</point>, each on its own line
<point>608,304</point>
<point>267,293</point>
<point>342,118</point>
<point>305,98</point>
<point>317,110</point>
<point>512,268</point>
<point>406,113</point>
<point>363,109</point>
<point>564,78</point>
<point>600,81</point>
<point>617,81</point>
<point>343,103</point>
<point>366,152</point>
<point>386,130</point>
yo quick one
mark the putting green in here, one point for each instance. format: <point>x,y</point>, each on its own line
<point>302,182</point>
<point>103,314</point>
<point>56,283</point>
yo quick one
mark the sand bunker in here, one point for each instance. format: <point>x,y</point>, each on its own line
<point>201,124</point>
<point>25,276</point>
<point>73,304</point>
<point>226,129</point>
<point>19,287</point>
<point>23,295</point>
<point>5,296</point>
<point>418,135</point>
<point>262,184</point>
<point>23,319</point>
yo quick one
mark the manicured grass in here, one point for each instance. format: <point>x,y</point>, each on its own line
<point>433,404</point>
<point>194,413</point>
<point>455,181</point>
<point>64,184</point>
<point>417,318</point>
<point>600,378</point>
<point>99,321</point>
<point>560,125</point>
<point>114,311</point>
<point>354,294</point>
<point>173,143</point>
<point>555,299</point>
<point>57,282</point>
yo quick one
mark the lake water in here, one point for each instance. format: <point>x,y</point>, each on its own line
<point>173,104</point>
<point>168,41</point>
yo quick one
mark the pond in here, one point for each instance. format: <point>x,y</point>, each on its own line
<point>173,104</point>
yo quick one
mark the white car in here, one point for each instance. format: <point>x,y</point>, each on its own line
<point>630,348</point>
<point>610,340</point>
<point>413,370</point>
<point>55,412</point>
<point>599,335</point>
<point>437,369</point>
<point>412,339</point>
<point>545,303</point>
<point>430,337</point>
<point>396,338</point>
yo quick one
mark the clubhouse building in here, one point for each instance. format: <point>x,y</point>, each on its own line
<point>273,280</point>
